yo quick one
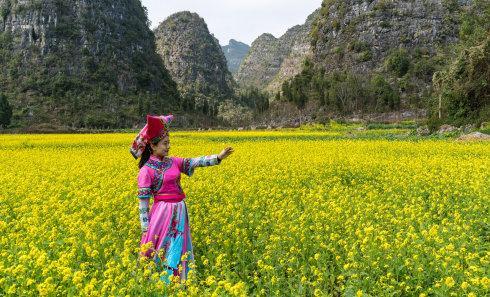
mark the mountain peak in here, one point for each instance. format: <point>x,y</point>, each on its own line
<point>195,60</point>
<point>272,60</point>
<point>235,52</point>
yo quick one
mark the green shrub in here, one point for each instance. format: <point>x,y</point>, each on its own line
<point>359,46</point>
<point>398,62</point>
<point>485,128</point>
<point>5,9</point>
<point>424,67</point>
<point>433,123</point>
<point>450,5</point>
<point>383,6</point>
<point>365,56</point>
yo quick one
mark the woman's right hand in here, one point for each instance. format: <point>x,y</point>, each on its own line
<point>225,153</point>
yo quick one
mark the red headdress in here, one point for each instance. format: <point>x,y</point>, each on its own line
<point>156,126</point>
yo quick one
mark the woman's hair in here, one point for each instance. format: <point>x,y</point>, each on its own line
<point>147,152</point>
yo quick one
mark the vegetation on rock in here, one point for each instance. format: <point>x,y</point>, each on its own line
<point>195,61</point>
<point>348,74</point>
<point>75,63</point>
<point>462,88</point>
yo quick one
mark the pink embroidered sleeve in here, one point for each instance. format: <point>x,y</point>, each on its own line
<point>144,193</point>
<point>144,183</point>
<point>179,162</point>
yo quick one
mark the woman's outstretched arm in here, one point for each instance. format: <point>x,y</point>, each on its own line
<point>189,164</point>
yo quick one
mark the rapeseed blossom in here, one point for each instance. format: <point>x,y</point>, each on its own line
<point>289,213</point>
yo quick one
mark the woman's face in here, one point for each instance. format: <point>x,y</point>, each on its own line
<point>162,147</point>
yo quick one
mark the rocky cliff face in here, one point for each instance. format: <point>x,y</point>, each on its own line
<point>300,50</point>
<point>359,35</point>
<point>195,61</point>
<point>235,52</point>
<point>272,60</point>
<point>81,62</point>
<point>400,42</point>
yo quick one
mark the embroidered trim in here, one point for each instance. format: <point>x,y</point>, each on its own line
<point>186,166</point>
<point>163,165</point>
<point>160,169</point>
<point>157,181</point>
<point>144,192</point>
<point>177,183</point>
<point>189,164</point>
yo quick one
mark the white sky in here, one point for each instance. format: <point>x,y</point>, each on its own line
<point>242,20</point>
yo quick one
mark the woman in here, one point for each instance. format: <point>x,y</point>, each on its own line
<point>166,234</point>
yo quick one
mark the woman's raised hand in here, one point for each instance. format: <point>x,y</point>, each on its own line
<point>225,153</point>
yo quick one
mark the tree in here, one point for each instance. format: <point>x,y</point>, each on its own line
<point>463,89</point>
<point>254,99</point>
<point>384,94</point>
<point>5,111</point>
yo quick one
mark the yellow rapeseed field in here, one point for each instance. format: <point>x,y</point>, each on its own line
<point>289,213</point>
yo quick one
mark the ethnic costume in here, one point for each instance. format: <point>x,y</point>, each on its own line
<point>167,223</point>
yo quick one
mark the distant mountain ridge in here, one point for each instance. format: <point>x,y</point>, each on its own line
<point>235,52</point>
<point>272,60</point>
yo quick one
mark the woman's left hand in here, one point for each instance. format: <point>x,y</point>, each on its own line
<point>225,153</point>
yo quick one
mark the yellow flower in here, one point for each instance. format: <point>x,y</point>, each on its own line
<point>358,208</point>
<point>210,280</point>
<point>359,293</point>
<point>145,247</point>
<point>449,281</point>
<point>485,281</point>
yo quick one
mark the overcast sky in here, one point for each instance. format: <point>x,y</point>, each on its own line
<point>242,20</point>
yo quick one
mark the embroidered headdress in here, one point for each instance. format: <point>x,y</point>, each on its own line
<point>156,127</point>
